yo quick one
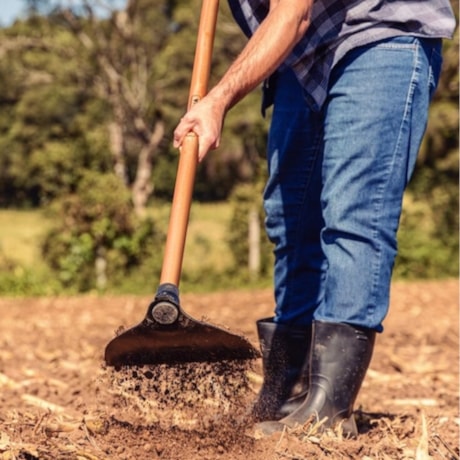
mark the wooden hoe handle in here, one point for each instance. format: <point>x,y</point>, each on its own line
<point>188,160</point>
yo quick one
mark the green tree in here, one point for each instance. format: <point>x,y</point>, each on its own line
<point>108,93</point>
<point>98,241</point>
<point>50,125</point>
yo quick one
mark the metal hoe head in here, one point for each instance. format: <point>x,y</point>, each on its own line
<point>167,335</point>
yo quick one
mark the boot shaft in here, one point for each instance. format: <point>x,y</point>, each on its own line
<point>285,350</point>
<point>340,357</point>
<point>285,359</point>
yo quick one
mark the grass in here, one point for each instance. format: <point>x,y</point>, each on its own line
<point>205,244</point>
<point>207,256</point>
<point>207,231</point>
<point>21,233</point>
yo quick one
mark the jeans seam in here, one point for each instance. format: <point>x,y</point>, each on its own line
<point>315,149</point>
<point>396,154</point>
<point>396,46</point>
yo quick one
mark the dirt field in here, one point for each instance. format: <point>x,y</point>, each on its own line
<point>58,401</point>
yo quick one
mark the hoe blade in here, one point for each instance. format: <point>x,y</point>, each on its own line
<point>167,335</point>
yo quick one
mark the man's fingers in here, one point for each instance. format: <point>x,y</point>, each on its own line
<point>203,147</point>
<point>179,133</point>
<point>205,144</point>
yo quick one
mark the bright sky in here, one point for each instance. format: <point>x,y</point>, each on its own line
<point>9,10</point>
<point>12,9</point>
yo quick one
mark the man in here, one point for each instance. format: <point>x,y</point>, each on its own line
<point>350,83</point>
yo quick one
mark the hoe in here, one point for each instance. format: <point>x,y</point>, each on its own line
<point>167,335</point>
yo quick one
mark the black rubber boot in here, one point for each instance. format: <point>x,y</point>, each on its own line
<point>340,356</point>
<point>285,356</point>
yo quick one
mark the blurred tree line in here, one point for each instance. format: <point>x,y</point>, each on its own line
<point>89,98</point>
<point>84,93</point>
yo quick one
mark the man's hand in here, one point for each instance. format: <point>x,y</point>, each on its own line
<point>205,119</point>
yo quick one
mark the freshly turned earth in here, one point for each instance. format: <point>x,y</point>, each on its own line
<point>59,401</point>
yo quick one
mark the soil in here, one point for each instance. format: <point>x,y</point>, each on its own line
<point>58,400</point>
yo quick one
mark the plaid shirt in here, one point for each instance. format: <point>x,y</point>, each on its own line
<point>337,26</point>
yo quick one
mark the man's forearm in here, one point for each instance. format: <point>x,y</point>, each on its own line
<point>284,26</point>
<point>272,42</point>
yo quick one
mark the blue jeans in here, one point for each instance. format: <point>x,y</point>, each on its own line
<point>337,177</point>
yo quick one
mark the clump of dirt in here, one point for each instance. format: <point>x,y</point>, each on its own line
<point>204,406</point>
<point>187,396</point>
